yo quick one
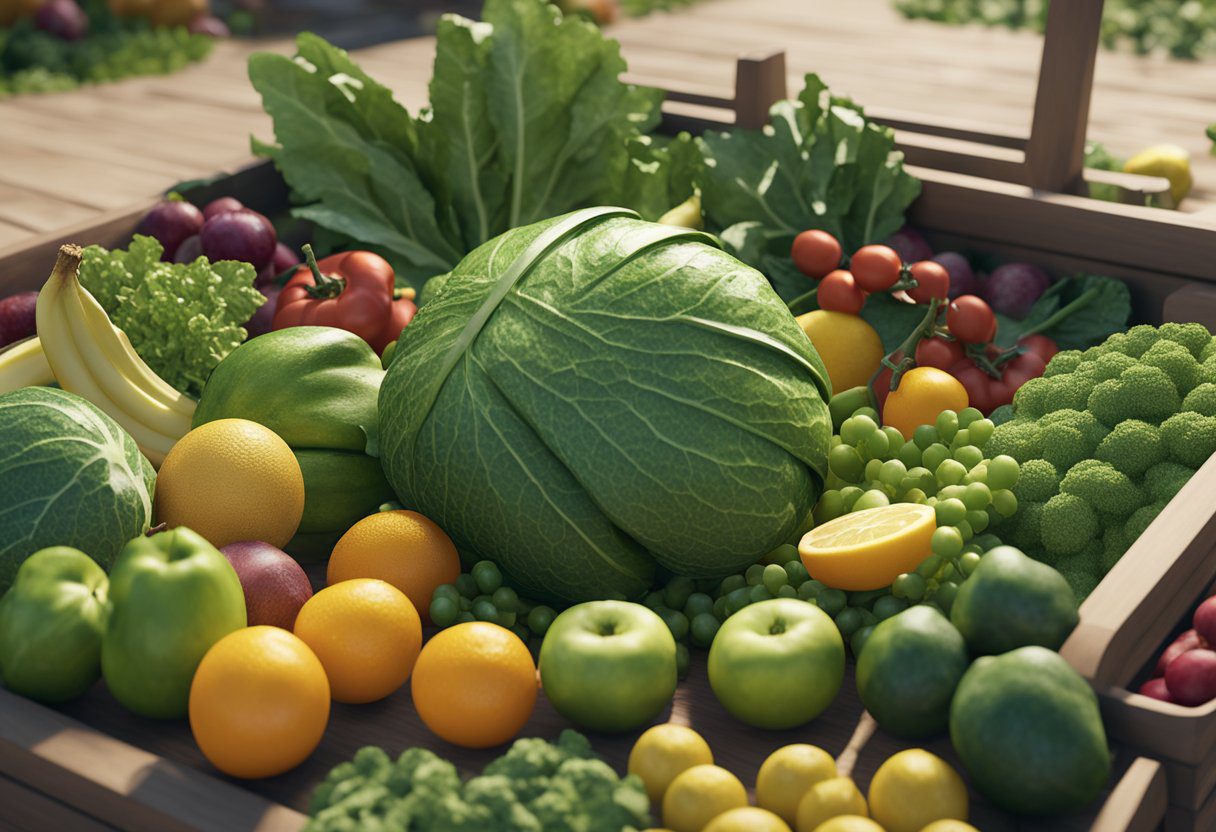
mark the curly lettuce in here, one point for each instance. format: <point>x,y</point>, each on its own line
<point>182,318</point>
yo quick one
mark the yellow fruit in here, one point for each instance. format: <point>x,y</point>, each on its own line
<point>949,826</point>
<point>827,799</point>
<point>176,12</point>
<point>847,823</point>
<point>868,549</point>
<point>401,547</point>
<point>850,348</point>
<point>475,685</point>
<point>788,774</point>
<point>662,752</point>
<point>367,635</point>
<point>923,393</point>
<point>232,480</point>
<point>259,702</point>
<point>700,794</point>
<point>747,819</point>
<point>1167,160</point>
<point>914,788</point>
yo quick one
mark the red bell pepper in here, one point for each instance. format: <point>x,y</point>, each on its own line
<point>354,290</point>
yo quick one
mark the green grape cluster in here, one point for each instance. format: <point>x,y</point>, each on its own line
<point>480,595</point>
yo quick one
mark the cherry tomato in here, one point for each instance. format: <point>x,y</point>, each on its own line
<point>933,281</point>
<point>942,353</point>
<point>875,268</point>
<point>977,383</point>
<point>1040,345</point>
<point>815,253</point>
<point>971,320</point>
<point>1017,371</point>
<point>838,293</point>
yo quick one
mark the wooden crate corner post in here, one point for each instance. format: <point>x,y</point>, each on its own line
<point>759,84</point>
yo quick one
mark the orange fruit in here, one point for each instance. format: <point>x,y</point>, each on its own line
<point>401,547</point>
<point>367,635</point>
<point>259,702</point>
<point>923,393</point>
<point>232,480</point>
<point>475,684</point>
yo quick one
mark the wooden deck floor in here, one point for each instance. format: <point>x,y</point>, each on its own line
<point>65,157</point>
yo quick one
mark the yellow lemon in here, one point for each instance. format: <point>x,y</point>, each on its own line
<point>848,823</point>
<point>664,751</point>
<point>828,799</point>
<point>232,480</point>
<point>914,788</point>
<point>747,819</point>
<point>700,794</point>
<point>850,348</point>
<point>949,826</point>
<point>788,774</point>
<point>1167,160</point>
<point>868,549</point>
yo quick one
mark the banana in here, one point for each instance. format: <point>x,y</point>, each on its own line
<point>94,359</point>
<point>23,364</point>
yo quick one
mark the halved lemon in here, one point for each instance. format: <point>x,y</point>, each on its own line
<point>869,549</point>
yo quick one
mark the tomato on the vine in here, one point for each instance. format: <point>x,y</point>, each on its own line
<point>939,352</point>
<point>987,393</point>
<point>978,384</point>
<point>839,293</point>
<point>1021,369</point>
<point>815,253</point>
<point>882,383</point>
<point>932,281</point>
<point>971,320</point>
<point>875,267</point>
<point>1040,345</point>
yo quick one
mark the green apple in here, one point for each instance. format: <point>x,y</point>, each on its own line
<point>777,664</point>
<point>608,665</point>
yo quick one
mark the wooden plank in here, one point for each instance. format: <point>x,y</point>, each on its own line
<point>1138,803</point>
<point>25,810</point>
<point>759,84</point>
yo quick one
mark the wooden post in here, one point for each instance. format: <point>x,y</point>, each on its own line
<point>759,84</point>
<point>1055,153</point>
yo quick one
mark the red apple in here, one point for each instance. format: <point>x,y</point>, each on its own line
<point>1191,678</point>
<point>17,317</point>
<point>1190,640</point>
<point>275,584</point>
<point>1157,689</point>
<point>1204,621</point>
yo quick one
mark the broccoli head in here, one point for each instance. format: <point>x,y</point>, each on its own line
<point>1065,361</point>
<point>1106,489</point>
<point>1114,544</point>
<point>1106,366</point>
<point>1141,392</point>
<point>1042,395</point>
<point>1083,570</point>
<point>1068,525</point>
<point>1135,342</point>
<point>1207,370</point>
<point>1189,437</point>
<point>1139,521</point>
<point>1177,363</point>
<point>1209,349</point>
<point>1026,531</point>
<point>1132,447</point>
<point>1195,337</point>
<point>1069,436</point>
<point>1037,482</point>
<point>1165,479</point>
<point>1202,399</point>
<point>1019,438</point>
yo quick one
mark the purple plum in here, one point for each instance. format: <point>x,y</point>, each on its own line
<point>275,585</point>
<point>190,250</point>
<point>910,245</point>
<point>962,278</point>
<point>259,324</point>
<point>284,259</point>
<point>62,18</point>
<point>239,235</point>
<point>1013,288</point>
<point>171,221</point>
<point>17,317</point>
<point>223,205</point>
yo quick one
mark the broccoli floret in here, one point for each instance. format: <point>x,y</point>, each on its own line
<point>1190,438</point>
<point>1069,523</point>
<point>1114,544</point>
<point>1037,482</point>
<point>1069,436</point>
<point>1195,337</point>
<point>1139,521</point>
<point>1025,529</point>
<point>1165,479</point>
<point>1019,438</point>
<point>1177,362</point>
<point>1132,447</point>
<point>1202,399</point>
<point>1209,349</point>
<point>1207,370</point>
<point>1103,487</point>
<point>1140,392</point>
<point>1065,361</point>
<point>1042,395</point>
<point>1083,570</point>
<point>1106,366</point>
<point>1135,342</point>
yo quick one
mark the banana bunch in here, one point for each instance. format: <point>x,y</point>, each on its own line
<point>89,356</point>
<point>23,364</point>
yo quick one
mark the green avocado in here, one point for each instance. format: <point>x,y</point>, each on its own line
<point>907,673</point>
<point>1027,728</point>
<point>1012,600</point>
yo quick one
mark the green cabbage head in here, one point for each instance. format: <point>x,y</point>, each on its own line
<point>591,396</point>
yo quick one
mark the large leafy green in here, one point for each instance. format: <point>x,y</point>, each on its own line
<point>819,164</point>
<point>528,119</point>
<point>591,395</point>
<point>69,476</point>
<point>1075,312</point>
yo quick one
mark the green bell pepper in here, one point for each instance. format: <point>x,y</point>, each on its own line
<point>51,622</point>
<point>172,596</point>
<point>316,387</point>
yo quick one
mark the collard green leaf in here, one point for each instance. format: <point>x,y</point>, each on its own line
<point>590,396</point>
<point>659,176</point>
<point>1082,311</point>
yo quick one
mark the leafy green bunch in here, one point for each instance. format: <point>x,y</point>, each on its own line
<point>537,786</point>
<point>1105,439</point>
<point>182,318</point>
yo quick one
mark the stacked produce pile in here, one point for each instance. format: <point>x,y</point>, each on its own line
<point>599,448</point>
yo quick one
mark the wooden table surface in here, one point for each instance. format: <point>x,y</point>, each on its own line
<point>68,156</point>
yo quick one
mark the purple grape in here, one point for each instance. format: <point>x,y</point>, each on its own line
<point>17,317</point>
<point>239,235</point>
<point>910,245</point>
<point>190,250</point>
<point>63,19</point>
<point>962,278</point>
<point>259,324</point>
<point>171,221</point>
<point>1013,288</point>
<point>284,259</point>
<point>223,205</point>
<point>208,24</point>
